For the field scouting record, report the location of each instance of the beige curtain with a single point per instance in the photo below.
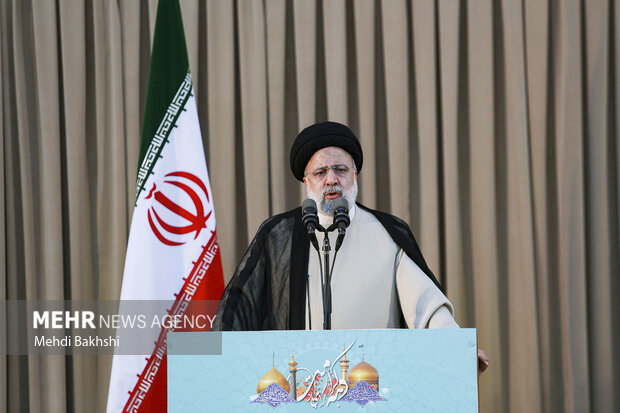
(490, 126)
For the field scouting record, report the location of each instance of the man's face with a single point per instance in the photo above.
(330, 174)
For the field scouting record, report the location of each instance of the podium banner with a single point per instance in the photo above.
(383, 370)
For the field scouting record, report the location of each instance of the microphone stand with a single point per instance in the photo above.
(311, 223)
(326, 270)
(325, 274)
(327, 299)
(327, 290)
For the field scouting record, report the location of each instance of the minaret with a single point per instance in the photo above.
(292, 368)
(344, 365)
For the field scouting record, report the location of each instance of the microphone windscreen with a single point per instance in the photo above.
(308, 203)
(341, 203)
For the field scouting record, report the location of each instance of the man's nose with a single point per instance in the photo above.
(331, 177)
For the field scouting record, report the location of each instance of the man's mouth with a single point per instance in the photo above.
(332, 195)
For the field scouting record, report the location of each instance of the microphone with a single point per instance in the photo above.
(341, 219)
(310, 219)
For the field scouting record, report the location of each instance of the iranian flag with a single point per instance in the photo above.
(172, 252)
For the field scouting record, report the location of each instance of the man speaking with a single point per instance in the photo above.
(377, 279)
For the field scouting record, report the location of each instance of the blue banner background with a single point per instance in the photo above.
(419, 370)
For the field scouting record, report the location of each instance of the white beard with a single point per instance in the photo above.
(327, 205)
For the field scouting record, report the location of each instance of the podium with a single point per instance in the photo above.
(383, 370)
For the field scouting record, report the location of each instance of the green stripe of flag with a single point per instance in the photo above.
(169, 67)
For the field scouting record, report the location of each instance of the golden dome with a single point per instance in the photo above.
(366, 372)
(272, 376)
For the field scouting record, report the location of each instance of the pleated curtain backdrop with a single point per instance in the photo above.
(491, 127)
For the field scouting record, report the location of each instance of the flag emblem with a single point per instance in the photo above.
(190, 185)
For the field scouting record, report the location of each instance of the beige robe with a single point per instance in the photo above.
(371, 274)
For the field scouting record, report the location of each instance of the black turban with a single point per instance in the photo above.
(319, 136)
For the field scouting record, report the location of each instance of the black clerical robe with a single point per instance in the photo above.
(268, 289)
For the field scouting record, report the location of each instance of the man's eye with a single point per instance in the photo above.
(320, 172)
(341, 170)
